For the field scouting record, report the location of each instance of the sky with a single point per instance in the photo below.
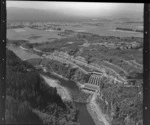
(79, 8)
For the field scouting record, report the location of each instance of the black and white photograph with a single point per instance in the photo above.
(74, 63)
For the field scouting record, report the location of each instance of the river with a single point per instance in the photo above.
(21, 53)
(84, 116)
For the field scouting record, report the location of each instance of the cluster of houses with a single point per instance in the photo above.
(123, 45)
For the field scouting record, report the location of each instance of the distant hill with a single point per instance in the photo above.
(21, 14)
(29, 14)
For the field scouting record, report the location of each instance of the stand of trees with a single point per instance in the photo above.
(29, 100)
(123, 105)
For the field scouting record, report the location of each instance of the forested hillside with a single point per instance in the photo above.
(30, 100)
(123, 105)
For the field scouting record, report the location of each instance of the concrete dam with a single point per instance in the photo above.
(95, 79)
(93, 83)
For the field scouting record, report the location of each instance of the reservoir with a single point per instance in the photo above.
(83, 116)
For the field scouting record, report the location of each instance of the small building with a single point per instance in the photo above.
(90, 87)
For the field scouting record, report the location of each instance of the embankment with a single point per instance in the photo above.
(95, 111)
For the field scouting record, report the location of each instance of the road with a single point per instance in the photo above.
(97, 110)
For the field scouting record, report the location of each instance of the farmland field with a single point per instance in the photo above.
(103, 29)
(31, 35)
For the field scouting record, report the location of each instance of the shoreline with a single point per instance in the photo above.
(62, 91)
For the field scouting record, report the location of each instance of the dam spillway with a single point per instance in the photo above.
(93, 83)
(95, 79)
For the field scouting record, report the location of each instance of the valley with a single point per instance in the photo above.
(79, 55)
(66, 68)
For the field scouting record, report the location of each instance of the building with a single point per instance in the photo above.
(90, 87)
